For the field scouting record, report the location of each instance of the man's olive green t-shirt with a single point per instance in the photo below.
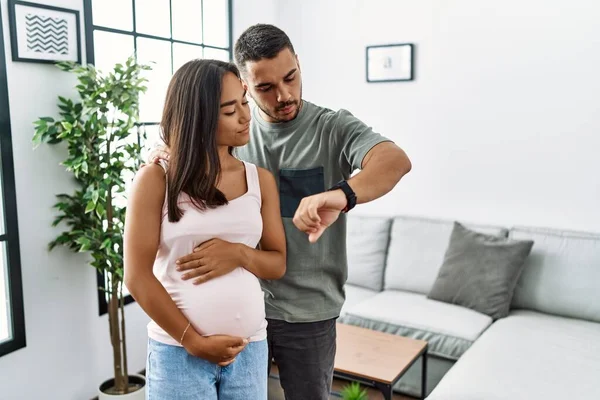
(308, 155)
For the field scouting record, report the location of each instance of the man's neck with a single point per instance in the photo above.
(266, 117)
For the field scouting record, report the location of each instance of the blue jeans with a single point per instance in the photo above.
(173, 374)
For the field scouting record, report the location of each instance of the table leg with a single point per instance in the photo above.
(386, 390)
(424, 375)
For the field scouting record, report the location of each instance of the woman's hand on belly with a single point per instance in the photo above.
(211, 259)
(218, 349)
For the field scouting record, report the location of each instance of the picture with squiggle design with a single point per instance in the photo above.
(42, 33)
(47, 35)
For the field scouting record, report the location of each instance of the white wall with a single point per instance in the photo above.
(503, 121)
(247, 13)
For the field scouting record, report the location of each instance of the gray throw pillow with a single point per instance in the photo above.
(480, 271)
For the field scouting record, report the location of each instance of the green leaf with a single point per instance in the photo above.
(52, 245)
(95, 196)
(37, 139)
(91, 206)
(84, 243)
(52, 130)
(84, 247)
(84, 167)
(99, 210)
(62, 135)
(354, 391)
(65, 65)
(58, 220)
(106, 243)
(67, 125)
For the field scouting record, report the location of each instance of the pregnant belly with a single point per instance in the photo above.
(232, 304)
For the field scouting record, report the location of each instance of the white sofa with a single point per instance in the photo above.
(547, 348)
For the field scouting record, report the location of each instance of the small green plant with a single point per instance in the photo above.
(354, 391)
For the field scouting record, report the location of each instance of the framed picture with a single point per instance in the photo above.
(45, 34)
(390, 63)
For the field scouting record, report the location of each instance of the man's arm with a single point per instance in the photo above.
(382, 168)
(382, 165)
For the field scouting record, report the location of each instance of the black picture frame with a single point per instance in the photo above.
(63, 38)
(402, 70)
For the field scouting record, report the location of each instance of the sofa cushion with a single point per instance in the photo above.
(562, 274)
(416, 252)
(354, 296)
(480, 271)
(367, 244)
(449, 329)
(528, 355)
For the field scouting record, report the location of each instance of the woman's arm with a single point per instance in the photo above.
(217, 257)
(142, 234)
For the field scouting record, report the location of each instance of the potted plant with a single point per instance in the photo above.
(353, 391)
(99, 130)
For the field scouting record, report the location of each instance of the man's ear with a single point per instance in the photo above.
(245, 85)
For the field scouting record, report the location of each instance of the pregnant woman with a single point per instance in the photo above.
(207, 337)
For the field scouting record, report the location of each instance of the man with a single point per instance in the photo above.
(309, 149)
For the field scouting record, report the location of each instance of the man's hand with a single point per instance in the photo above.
(211, 259)
(316, 213)
(218, 349)
(159, 152)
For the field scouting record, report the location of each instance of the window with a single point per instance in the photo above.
(166, 33)
(12, 320)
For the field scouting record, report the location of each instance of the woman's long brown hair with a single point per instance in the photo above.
(189, 129)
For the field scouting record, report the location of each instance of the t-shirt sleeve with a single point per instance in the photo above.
(354, 139)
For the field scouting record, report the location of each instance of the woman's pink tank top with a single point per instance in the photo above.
(232, 304)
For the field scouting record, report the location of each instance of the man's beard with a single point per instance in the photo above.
(281, 106)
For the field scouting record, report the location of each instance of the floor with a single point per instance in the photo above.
(275, 392)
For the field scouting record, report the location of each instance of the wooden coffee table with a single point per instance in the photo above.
(377, 359)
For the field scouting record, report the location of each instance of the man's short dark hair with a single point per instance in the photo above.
(258, 42)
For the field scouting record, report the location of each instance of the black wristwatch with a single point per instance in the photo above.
(350, 195)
